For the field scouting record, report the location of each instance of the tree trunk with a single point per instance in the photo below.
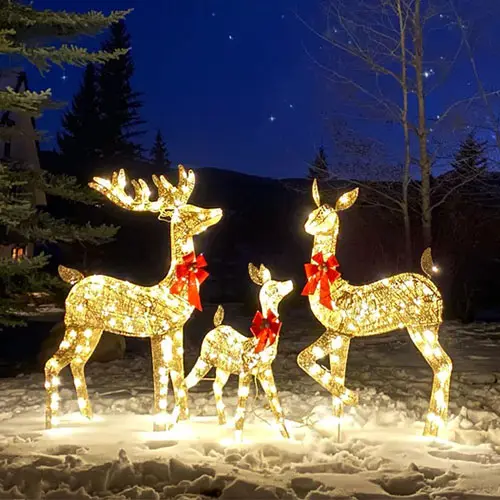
(406, 132)
(424, 161)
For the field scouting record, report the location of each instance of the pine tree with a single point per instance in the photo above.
(470, 160)
(119, 104)
(80, 142)
(159, 153)
(319, 167)
(20, 220)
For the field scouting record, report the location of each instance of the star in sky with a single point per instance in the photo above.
(282, 50)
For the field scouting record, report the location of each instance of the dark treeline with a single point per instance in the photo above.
(264, 220)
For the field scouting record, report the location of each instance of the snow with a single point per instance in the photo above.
(380, 455)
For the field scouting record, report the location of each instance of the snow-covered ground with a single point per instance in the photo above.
(381, 453)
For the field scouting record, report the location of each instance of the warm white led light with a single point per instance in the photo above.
(407, 300)
(98, 303)
(230, 352)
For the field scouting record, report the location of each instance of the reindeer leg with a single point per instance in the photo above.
(84, 351)
(160, 381)
(62, 358)
(243, 391)
(221, 377)
(426, 341)
(266, 379)
(181, 410)
(307, 360)
(53, 367)
(200, 369)
(339, 350)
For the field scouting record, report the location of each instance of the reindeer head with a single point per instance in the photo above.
(272, 292)
(324, 219)
(171, 204)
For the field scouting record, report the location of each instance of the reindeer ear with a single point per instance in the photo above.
(265, 274)
(347, 199)
(255, 274)
(315, 191)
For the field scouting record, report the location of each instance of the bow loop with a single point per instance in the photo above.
(323, 273)
(266, 329)
(190, 273)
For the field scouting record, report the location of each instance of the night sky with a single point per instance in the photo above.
(236, 84)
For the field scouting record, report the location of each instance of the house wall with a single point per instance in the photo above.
(22, 147)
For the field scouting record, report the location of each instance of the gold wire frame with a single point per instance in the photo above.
(230, 352)
(97, 303)
(407, 300)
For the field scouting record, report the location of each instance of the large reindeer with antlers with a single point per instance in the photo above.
(406, 300)
(98, 303)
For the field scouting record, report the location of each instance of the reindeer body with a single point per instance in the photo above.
(230, 352)
(97, 303)
(407, 300)
(226, 349)
(142, 311)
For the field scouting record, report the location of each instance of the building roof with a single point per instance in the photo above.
(23, 147)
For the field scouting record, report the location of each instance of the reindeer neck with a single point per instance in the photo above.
(268, 305)
(325, 243)
(180, 245)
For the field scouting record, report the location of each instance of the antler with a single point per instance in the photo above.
(168, 195)
(179, 194)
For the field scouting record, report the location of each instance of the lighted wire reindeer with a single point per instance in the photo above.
(98, 303)
(405, 300)
(230, 352)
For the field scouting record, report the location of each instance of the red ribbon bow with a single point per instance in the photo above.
(322, 273)
(190, 272)
(266, 329)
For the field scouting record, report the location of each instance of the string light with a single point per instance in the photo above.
(407, 300)
(230, 352)
(97, 303)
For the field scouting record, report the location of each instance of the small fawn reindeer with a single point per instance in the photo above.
(230, 352)
(404, 300)
(98, 303)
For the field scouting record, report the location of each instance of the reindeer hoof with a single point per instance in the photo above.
(184, 414)
(350, 397)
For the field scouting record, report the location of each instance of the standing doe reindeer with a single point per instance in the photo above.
(98, 303)
(230, 352)
(404, 300)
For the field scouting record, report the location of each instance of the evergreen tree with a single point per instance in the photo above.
(319, 167)
(470, 160)
(80, 142)
(159, 153)
(119, 105)
(20, 220)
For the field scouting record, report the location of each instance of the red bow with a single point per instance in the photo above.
(265, 329)
(190, 273)
(323, 273)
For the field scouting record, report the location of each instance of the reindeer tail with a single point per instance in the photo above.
(71, 276)
(219, 316)
(427, 264)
